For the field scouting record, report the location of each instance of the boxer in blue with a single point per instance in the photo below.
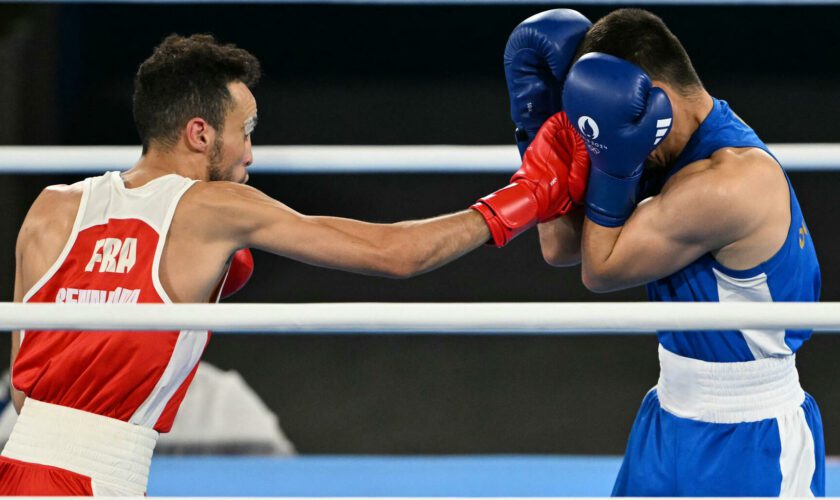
(685, 198)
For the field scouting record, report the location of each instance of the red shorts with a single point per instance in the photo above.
(23, 478)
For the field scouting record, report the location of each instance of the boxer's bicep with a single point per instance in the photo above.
(317, 241)
(337, 243)
(635, 254)
(664, 234)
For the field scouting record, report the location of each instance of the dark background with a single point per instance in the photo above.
(419, 75)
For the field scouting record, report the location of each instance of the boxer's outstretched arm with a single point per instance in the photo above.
(699, 213)
(245, 217)
(560, 239)
(408, 248)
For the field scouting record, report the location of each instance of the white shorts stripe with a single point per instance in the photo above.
(797, 459)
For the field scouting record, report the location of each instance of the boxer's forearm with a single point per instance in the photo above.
(432, 243)
(560, 239)
(408, 248)
(598, 271)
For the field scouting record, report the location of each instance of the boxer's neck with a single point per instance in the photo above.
(158, 161)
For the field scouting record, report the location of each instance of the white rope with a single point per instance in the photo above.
(433, 318)
(348, 159)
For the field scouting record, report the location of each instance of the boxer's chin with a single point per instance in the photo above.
(241, 174)
(237, 174)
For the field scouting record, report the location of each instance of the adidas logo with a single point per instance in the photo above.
(662, 127)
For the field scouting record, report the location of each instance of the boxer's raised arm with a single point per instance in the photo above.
(669, 231)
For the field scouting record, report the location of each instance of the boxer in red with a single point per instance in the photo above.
(92, 403)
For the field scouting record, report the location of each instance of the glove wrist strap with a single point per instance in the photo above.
(508, 212)
(610, 200)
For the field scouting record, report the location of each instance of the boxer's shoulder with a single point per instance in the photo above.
(736, 191)
(60, 195)
(221, 208)
(218, 193)
(55, 207)
(732, 172)
(744, 162)
(46, 228)
(208, 199)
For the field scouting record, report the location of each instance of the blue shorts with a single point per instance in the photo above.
(673, 456)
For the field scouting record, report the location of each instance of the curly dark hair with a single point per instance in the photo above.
(642, 38)
(187, 77)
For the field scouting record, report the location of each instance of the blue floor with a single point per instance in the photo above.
(487, 476)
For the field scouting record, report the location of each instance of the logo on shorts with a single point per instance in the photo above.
(588, 127)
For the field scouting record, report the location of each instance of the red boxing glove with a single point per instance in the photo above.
(550, 183)
(240, 271)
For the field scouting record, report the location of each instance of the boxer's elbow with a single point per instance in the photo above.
(390, 265)
(399, 258)
(594, 283)
(412, 260)
(560, 257)
(401, 269)
(560, 241)
(598, 280)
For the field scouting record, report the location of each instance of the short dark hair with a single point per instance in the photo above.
(642, 38)
(187, 77)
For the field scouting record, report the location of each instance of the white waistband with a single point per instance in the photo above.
(109, 451)
(728, 392)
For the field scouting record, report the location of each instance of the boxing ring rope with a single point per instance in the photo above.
(425, 318)
(427, 159)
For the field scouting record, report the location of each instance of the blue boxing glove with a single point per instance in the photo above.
(622, 118)
(537, 57)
